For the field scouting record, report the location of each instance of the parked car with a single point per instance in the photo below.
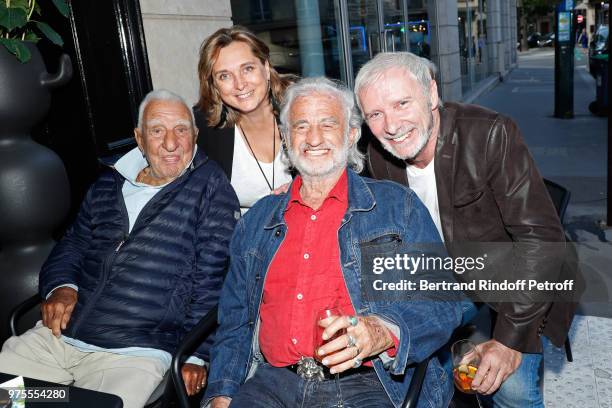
(598, 48)
(533, 38)
(547, 40)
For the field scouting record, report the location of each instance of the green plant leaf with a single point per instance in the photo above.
(12, 18)
(17, 48)
(32, 37)
(50, 33)
(62, 7)
(21, 4)
(3, 13)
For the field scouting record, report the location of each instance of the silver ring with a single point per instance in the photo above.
(353, 321)
(357, 362)
(351, 341)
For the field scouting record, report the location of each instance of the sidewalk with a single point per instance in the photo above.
(573, 153)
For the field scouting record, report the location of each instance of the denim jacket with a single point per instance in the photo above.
(376, 211)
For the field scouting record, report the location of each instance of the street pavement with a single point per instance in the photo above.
(573, 153)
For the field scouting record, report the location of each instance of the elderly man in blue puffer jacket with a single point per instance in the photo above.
(142, 263)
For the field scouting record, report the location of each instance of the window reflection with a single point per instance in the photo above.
(303, 35)
(473, 50)
(305, 38)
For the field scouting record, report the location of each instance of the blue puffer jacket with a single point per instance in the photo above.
(149, 287)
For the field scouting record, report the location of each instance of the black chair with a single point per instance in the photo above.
(161, 397)
(560, 197)
(18, 311)
(190, 342)
(414, 390)
(209, 323)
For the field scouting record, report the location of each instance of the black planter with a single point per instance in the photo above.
(34, 190)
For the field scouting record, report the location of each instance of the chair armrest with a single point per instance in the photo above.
(20, 310)
(412, 397)
(188, 344)
(209, 322)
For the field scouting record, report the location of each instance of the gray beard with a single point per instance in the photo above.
(338, 161)
(423, 138)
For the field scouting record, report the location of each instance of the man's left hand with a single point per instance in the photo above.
(370, 336)
(497, 363)
(194, 377)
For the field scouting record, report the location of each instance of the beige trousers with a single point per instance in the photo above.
(39, 354)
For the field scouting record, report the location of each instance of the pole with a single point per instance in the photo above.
(564, 61)
(608, 201)
(310, 38)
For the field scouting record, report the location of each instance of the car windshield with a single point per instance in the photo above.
(602, 34)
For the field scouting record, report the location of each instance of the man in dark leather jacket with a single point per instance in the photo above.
(471, 168)
(142, 263)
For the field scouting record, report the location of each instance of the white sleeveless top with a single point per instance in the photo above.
(247, 180)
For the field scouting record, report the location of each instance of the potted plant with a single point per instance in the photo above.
(34, 190)
(20, 23)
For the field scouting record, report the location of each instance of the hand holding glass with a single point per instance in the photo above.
(466, 360)
(323, 319)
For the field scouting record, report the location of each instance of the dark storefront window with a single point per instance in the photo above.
(472, 25)
(303, 35)
(419, 28)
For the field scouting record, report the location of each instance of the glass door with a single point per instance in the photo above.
(376, 26)
(394, 20)
(334, 38)
(468, 29)
(364, 31)
(304, 36)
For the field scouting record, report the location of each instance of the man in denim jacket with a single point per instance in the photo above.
(297, 253)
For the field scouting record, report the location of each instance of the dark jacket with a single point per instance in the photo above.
(489, 190)
(149, 287)
(217, 143)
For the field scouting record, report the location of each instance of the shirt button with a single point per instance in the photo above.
(294, 341)
(300, 296)
(313, 217)
(306, 256)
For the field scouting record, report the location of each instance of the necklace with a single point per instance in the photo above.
(270, 186)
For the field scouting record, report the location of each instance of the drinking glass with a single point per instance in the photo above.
(465, 365)
(325, 317)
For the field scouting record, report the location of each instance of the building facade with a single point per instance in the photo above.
(471, 41)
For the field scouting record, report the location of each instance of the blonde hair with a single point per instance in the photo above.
(210, 103)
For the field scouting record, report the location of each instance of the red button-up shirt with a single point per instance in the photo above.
(304, 277)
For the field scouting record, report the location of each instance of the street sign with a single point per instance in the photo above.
(564, 26)
(579, 18)
(569, 5)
